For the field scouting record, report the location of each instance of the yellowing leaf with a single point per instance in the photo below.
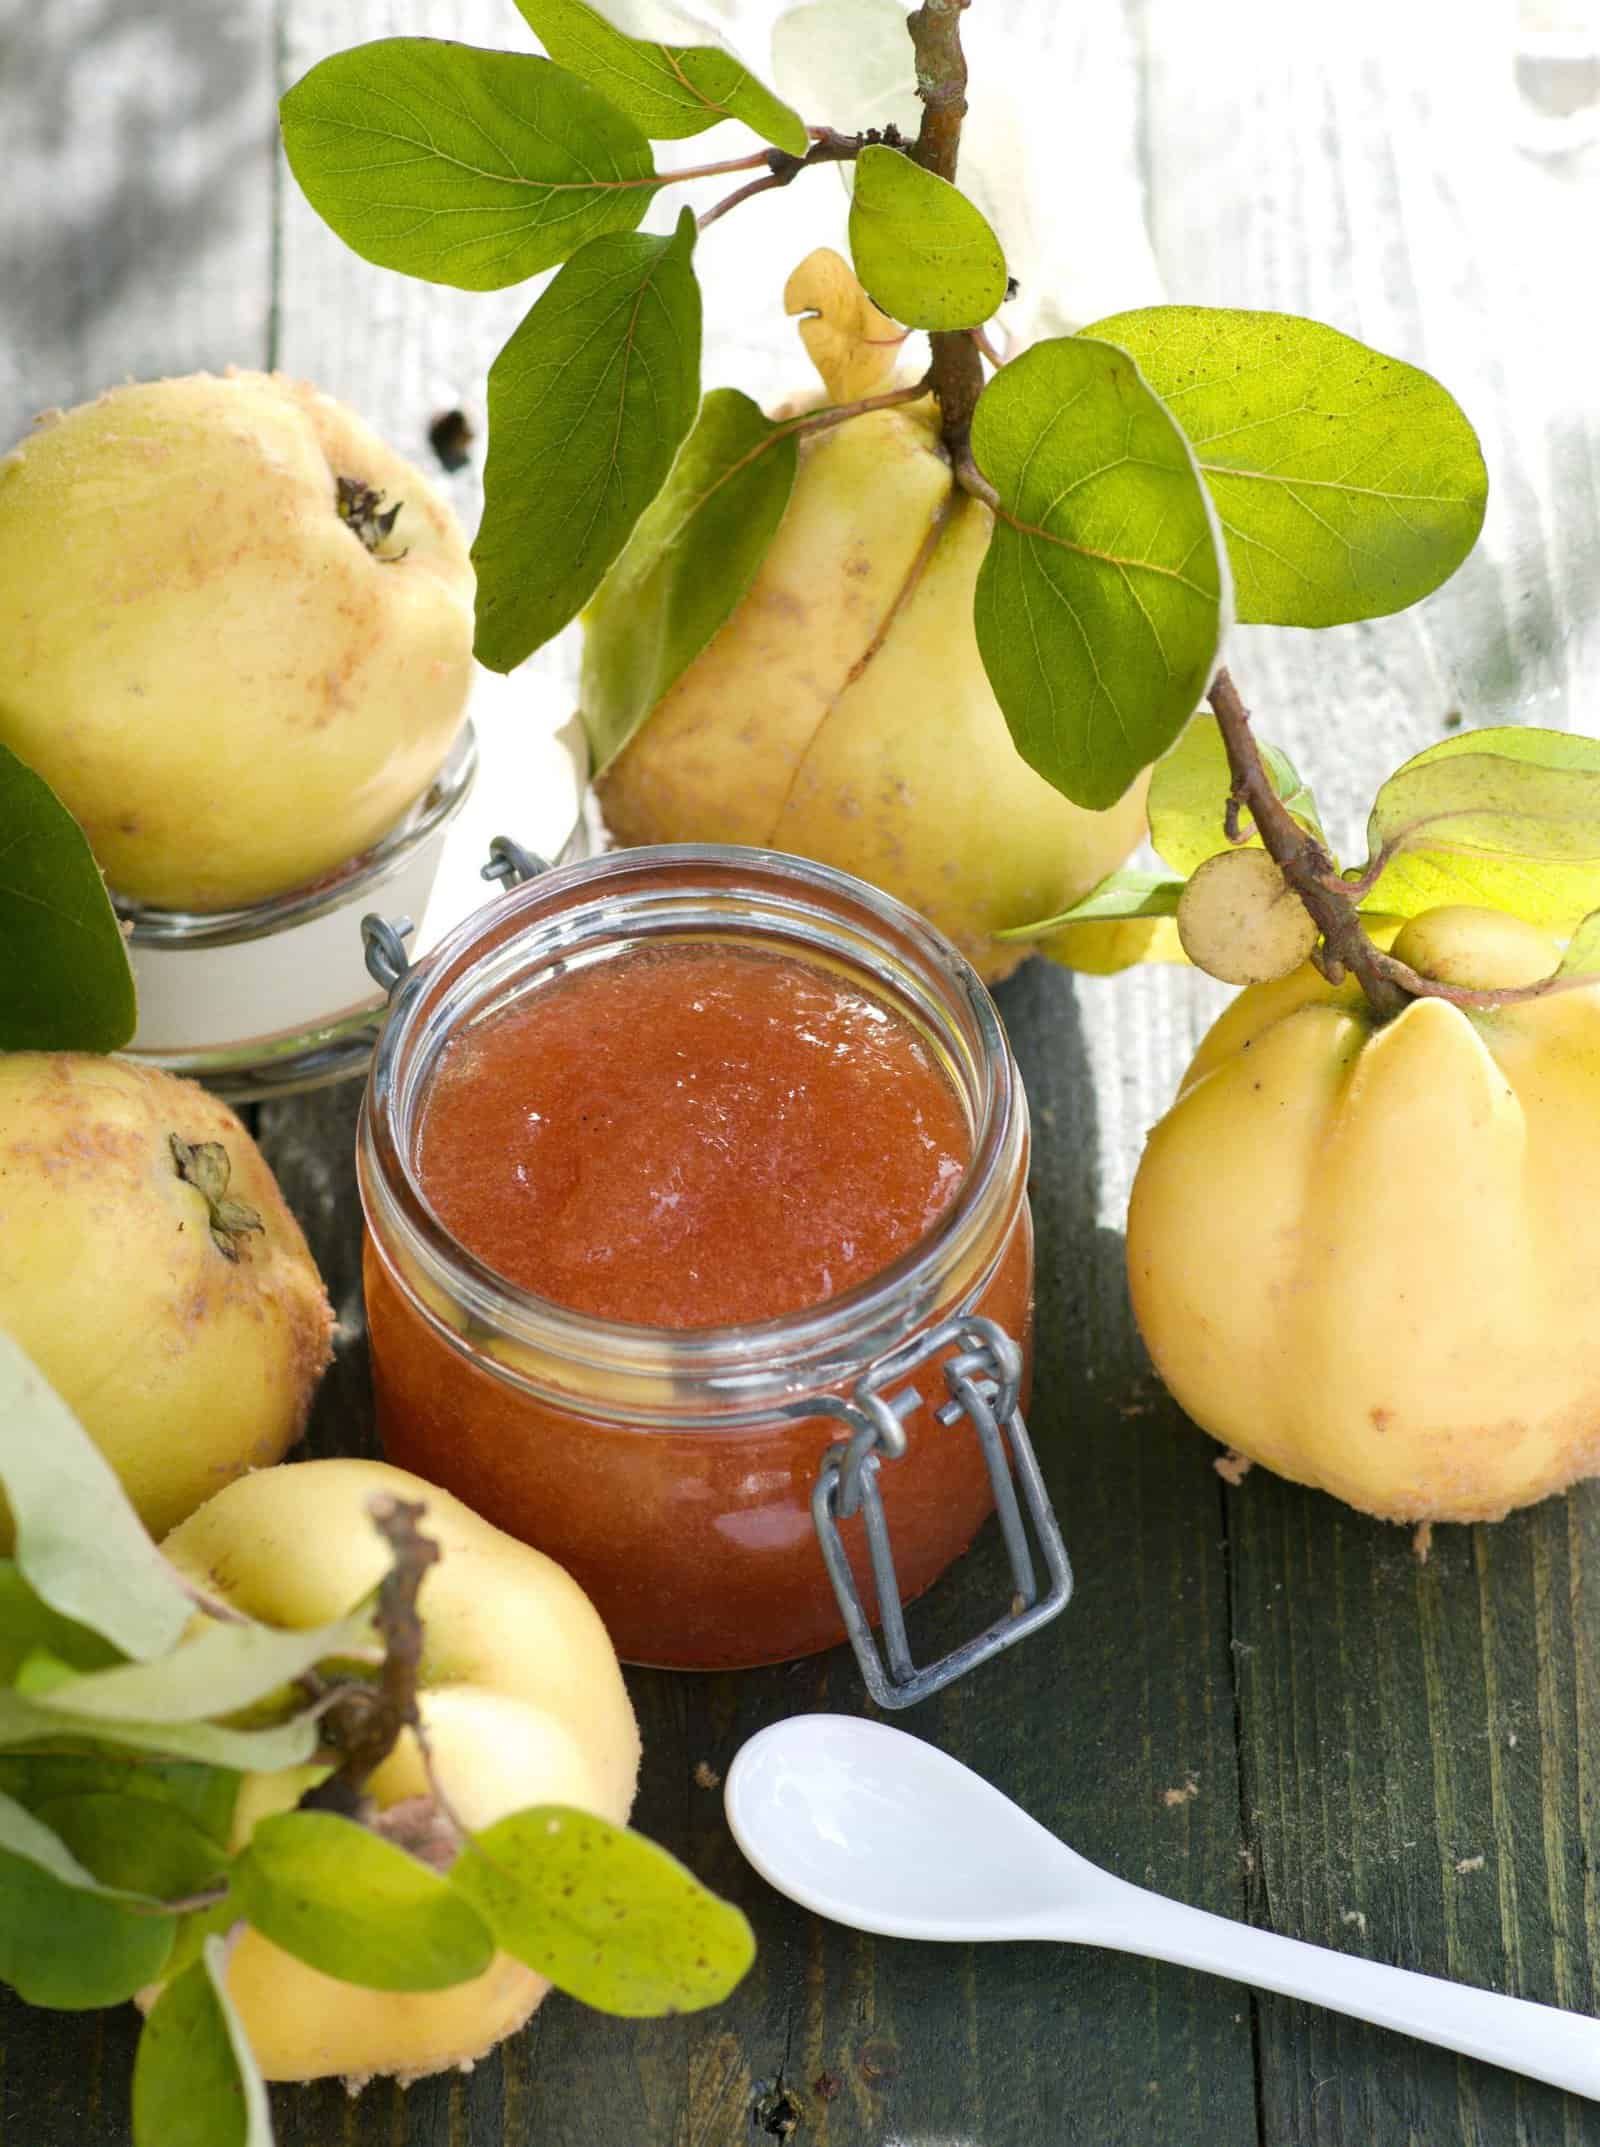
(605, 1914)
(851, 343)
(354, 1906)
(1189, 793)
(1507, 818)
(1349, 484)
(920, 247)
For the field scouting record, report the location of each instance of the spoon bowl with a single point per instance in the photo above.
(874, 1828)
(868, 1826)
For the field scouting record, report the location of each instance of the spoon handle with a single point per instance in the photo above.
(1541, 2041)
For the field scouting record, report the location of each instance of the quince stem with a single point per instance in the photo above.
(935, 29)
(366, 1721)
(1331, 901)
(1305, 864)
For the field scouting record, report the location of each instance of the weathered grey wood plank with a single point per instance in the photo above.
(1400, 1721)
(137, 238)
(137, 241)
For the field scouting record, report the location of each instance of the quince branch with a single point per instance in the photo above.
(935, 30)
(366, 1721)
(1330, 900)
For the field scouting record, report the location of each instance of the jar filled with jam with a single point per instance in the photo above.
(661, 1157)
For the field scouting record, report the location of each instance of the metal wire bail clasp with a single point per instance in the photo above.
(384, 938)
(983, 1378)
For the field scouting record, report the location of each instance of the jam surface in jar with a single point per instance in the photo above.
(685, 1136)
(689, 1135)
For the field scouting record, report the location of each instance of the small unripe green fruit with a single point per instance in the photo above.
(1238, 919)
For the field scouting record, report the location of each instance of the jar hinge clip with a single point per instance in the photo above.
(384, 937)
(983, 1378)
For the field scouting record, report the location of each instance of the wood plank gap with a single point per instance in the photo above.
(279, 185)
(1249, 1860)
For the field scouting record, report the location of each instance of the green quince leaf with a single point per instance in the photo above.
(609, 1917)
(589, 404)
(189, 1945)
(37, 1841)
(477, 169)
(80, 1545)
(1189, 795)
(344, 1901)
(220, 1670)
(668, 91)
(136, 1845)
(1103, 599)
(195, 2080)
(65, 979)
(693, 554)
(67, 1940)
(27, 1623)
(1582, 958)
(25, 1722)
(1348, 484)
(922, 251)
(204, 1795)
(1507, 818)
(1121, 894)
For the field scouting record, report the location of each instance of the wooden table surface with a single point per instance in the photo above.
(1259, 1701)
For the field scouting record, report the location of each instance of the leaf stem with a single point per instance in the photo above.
(986, 349)
(827, 147)
(971, 479)
(753, 162)
(841, 413)
(935, 29)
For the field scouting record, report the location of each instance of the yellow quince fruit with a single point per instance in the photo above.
(1367, 1253)
(237, 632)
(843, 711)
(521, 1700)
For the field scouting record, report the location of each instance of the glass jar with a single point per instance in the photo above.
(274, 998)
(673, 1471)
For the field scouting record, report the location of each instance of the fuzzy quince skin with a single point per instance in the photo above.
(230, 691)
(843, 711)
(1367, 1254)
(187, 1360)
(521, 1698)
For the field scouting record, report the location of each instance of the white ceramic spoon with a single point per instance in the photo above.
(874, 1828)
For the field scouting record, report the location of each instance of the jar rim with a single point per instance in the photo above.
(792, 1351)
